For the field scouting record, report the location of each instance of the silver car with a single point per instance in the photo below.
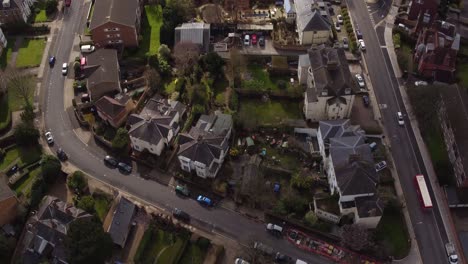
(360, 80)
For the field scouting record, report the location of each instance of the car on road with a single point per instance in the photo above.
(360, 80)
(49, 138)
(337, 26)
(261, 41)
(401, 122)
(110, 161)
(51, 61)
(345, 43)
(64, 68)
(339, 18)
(247, 40)
(254, 39)
(240, 261)
(362, 45)
(124, 168)
(421, 83)
(282, 258)
(365, 100)
(203, 200)
(274, 229)
(181, 215)
(380, 165)
(182, 190)
(61, 155)
(358, 34)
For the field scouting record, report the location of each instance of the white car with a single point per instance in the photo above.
(247, 40)
(420, 83)
(401, 122)
(339, 18)
(380, 166)
(337, 26)
(360, 80)
(87, 48)
(362, 45)
(345, 43)
(49, 138)
(64, 68)
(240, 261)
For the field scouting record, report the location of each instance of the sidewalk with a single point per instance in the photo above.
(438, 193)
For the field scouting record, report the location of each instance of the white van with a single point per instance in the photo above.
(87, 48)
(300, 262)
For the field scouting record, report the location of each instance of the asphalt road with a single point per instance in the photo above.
(218, 220)
(429, 229)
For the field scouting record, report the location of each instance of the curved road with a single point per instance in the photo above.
(89, 160)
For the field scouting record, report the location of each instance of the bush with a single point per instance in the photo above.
(310, 218)
(51, 7)
(51, 169)
(86, 203)
(38, 190)
(396, 40)
(233, 101)
(282, 84)
(77, 181)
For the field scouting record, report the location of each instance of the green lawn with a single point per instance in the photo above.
(40, 17)
(24, 184)
(15, 100)
(101, 205)
(193, 254)
(30, 53)
(170, 254)
(253, 113)
(153, 242)
(5, 113)
(392, 230)
(150, 30)
(6, 55)
(10, 156)
(462, 74)
(258, 78)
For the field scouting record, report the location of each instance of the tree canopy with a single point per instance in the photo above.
(121, 139)
(51, 168)
(86, 203)
(26, 134)
(77, 181)
(213, 63)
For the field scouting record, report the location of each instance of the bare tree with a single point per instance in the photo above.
(356, 237)
(19, 83)
(153, 79)
(186, 55)
(252, 255)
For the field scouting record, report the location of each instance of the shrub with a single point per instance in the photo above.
(233, 101)
(310, 218)
(77, 181)
(86, 203)
(282, 84)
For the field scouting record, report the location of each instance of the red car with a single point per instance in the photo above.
(254, 39)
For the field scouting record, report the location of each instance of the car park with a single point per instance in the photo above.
(124, 168)
(360, 80)
(345, 43)
(337, 26)
(247, 40)
(365, 100)
(62, 155)
(362, 45)
(420, 83)
(64, 68)
(254, 39)
(261, 41)
(240, 261)
(181, 215)
(110, 161)
(52, 61)
(380, 165)
(400, 118)
(339, 18)
(203, 200)
(182, 190)
(49, 138)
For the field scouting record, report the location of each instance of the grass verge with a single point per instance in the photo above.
(254, 113)
(393, 233)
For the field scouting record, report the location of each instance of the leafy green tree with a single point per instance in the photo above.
(77, 181)
(51, 6)
(27, 116)
(121, 139)
(310, 218)
(301, 181)
(164, 52)
(87, 242)
(291, 205)
(26, 134)
(51, 168)
(153, 79)
(175, 13)
(213, 63)
(38, 190)
(86, 203)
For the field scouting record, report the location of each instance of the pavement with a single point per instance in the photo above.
(408, 150)
(223, 223)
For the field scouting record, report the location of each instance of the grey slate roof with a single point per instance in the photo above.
(102, 66)
(309, 19)
(369, 206)
(338, 128)
(330, 72)
(5, 191)
(121, 221)
(118, 11)
(197, 33)
(304, 60)
(152, 131)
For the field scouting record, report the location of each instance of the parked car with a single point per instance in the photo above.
(420, 83)
(49, 138)
(124, 168)
(345, 43)
(12, 170)
(282, 258)
(365, 100)
(247, 40)
(181, 215)
(110, 161)
(240, 261)
(87, 48)
(254, 39)
(274, 229)
(203, 200)
(261, 41)
(337, 26)
(339, 18)
(64, 68)
(182, 190)
(401, 122)
(380, 165)
(62, 155)
(360, 80)
(266, 250)
(52, 61)
(362, 45)
(358, 34)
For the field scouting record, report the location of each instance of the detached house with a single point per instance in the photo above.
(330, 87)
(8, 203)
(313, 23)
(349, 166)
(102, 71)
(46, 232)
(121, 221)
(204, 148)
(114, 111)
(155, 127)
(116, 23)
(436, 51)
(12, 11)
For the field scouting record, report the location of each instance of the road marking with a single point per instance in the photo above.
(383, 47)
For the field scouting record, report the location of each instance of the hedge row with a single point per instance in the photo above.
(349, 29)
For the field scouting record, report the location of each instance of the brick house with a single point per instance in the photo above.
(116, 23)
(8, 203)
(420, 7)
(436, 51)
(114, 111)
(12, 11)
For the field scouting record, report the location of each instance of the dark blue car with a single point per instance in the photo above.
(52, 61)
